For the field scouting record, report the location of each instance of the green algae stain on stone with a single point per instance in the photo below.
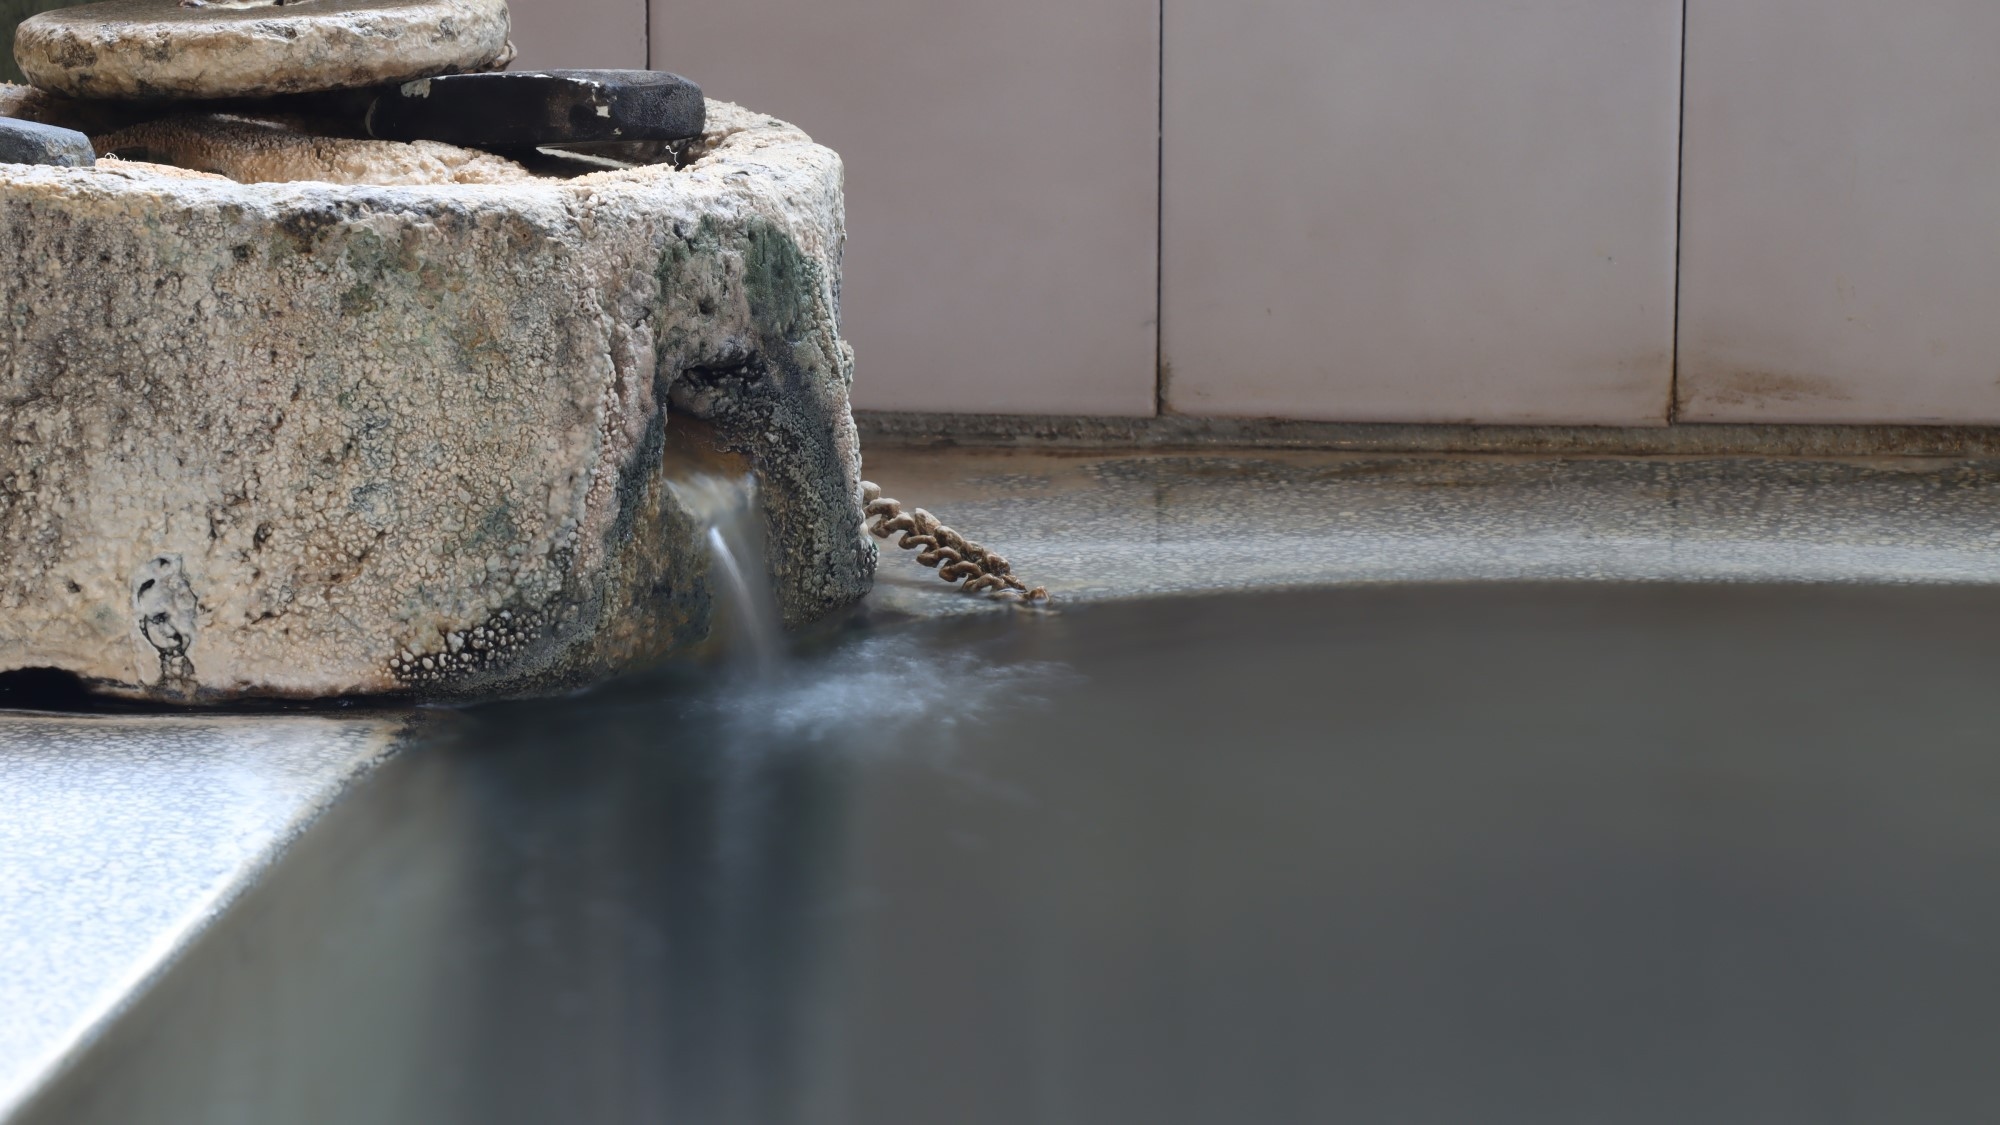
(495, 528)
(772, 278)
(690, 282)
(375, 260)
(358, 300)
(781, 279)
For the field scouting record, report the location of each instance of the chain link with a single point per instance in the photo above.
(957, 559)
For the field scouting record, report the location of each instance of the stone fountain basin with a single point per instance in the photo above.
(313, 439)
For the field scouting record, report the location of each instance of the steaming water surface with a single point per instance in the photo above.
(1631, 854)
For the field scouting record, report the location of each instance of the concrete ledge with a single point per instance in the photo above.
(1130, 523)
(1169, 432)
(126, 837)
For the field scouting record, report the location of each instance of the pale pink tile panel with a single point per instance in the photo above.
(1001, 183)
(1428, 210)
(553, 34)
(1841, 222)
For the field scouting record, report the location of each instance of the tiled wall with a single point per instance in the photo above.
(1364, 210)
(1383, 210)
(554, 34)
(1840, 254)
(1002, 183)
(1420, 210)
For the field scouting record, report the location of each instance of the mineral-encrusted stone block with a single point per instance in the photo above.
(305, 440)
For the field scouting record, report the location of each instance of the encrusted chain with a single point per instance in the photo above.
(956, 558)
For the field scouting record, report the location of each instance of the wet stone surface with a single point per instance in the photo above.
(26, 142)
(124, 834)
(541, 108)
(1122, 525)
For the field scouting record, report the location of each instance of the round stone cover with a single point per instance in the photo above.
(162, 49)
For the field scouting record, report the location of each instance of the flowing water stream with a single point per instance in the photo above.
(740, 581)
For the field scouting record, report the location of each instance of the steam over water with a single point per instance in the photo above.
(878, 688)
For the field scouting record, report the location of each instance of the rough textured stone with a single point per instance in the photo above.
(161, 49)
(88, 117)
(273, 152)
(368, 439)
(30, 142)
(329, 113)
(532, 108)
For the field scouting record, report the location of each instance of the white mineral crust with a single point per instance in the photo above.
(306, 439)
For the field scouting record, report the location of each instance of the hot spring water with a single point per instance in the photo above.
(1478, 853)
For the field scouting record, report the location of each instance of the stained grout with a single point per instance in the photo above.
(1680, 197)
(1160, 218)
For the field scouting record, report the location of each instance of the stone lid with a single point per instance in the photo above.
(160, 49)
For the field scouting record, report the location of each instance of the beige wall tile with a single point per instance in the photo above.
(1001, 183)
(553, 34)
(1841, 215)
(1432, 210)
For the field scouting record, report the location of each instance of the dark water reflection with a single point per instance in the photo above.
(1398, 855)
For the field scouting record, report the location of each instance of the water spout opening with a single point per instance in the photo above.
(739, 575)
